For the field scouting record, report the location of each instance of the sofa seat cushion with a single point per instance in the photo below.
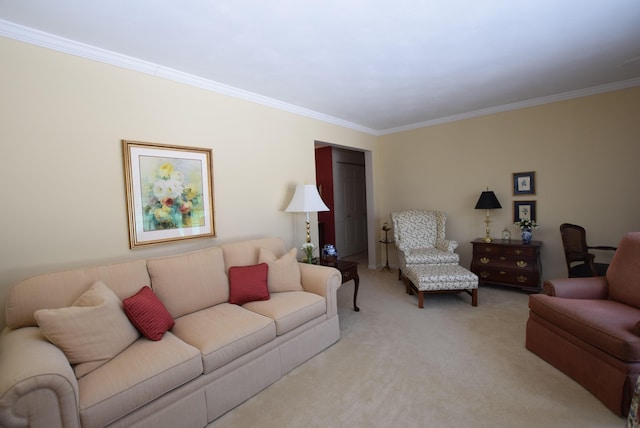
(141, 373)
(224, 332)
(604, 324)
(430, 256)
(289, 309)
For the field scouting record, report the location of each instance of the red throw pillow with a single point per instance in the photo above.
(148, 314)
(248, 283)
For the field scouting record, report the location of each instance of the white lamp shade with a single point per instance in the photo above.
(306, 199)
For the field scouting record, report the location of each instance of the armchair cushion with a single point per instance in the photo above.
(605, 324)
(623, 274)
(430, 256)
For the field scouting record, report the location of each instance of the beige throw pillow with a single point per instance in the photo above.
(91, 331)
(284, 274)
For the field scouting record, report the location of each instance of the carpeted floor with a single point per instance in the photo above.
(447, 365)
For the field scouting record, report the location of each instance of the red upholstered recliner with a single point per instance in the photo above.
(589, 328)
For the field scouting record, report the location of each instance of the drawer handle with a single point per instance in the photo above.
(518, 251)
(502, 272)
(484, 260)
(503, 258)
(488, 250)
(347, 274)
(521, 263)
(484, 274)
(521, 278)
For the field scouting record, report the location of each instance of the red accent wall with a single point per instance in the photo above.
(324, 180)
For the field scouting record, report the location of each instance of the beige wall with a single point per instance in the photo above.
(585, 154)
(62, 122)
(62, 119)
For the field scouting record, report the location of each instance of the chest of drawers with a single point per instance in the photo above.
(509, 263)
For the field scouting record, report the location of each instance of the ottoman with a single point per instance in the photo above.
(422, 279)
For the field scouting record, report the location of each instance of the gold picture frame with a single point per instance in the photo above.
(169, 192)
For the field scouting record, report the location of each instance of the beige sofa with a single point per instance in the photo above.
(215, 356)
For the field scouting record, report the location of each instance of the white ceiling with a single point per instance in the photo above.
(379, 66)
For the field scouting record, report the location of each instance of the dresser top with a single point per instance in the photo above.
(510, 242)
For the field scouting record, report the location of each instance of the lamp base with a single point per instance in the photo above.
(487, 232)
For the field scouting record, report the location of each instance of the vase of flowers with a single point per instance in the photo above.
(307, 248)
(526, 227)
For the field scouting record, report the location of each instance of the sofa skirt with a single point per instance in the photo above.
(209, 396)
(609, 379)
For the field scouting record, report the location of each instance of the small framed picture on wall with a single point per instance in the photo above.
(524, 183)
(524, 210)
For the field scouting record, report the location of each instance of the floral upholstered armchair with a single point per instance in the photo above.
(420, 239)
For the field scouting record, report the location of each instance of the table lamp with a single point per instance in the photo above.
(487, 201)
(305, 200)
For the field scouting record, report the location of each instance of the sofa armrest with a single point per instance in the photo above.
(578, 288)
(324, 281)
(37, 385)
(446, 245)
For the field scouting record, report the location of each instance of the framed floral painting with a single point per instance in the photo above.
(169, 192)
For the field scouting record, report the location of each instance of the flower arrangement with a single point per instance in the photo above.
(171, 200)
(526, 223)
(308, 249)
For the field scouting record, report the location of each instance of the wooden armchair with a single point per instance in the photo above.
(580, 262)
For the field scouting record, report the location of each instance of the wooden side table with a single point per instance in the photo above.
(349, 271)
(511, 263)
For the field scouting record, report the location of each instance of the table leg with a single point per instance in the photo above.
(356, 281)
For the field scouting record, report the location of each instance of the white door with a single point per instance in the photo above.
(350, 209)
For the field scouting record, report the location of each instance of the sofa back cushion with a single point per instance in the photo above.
(190, 282)
(61, 289)
(246, 253)
(623, 274)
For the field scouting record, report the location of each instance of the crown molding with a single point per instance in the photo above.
(61, 44)
(518, 105)
(50, 41)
